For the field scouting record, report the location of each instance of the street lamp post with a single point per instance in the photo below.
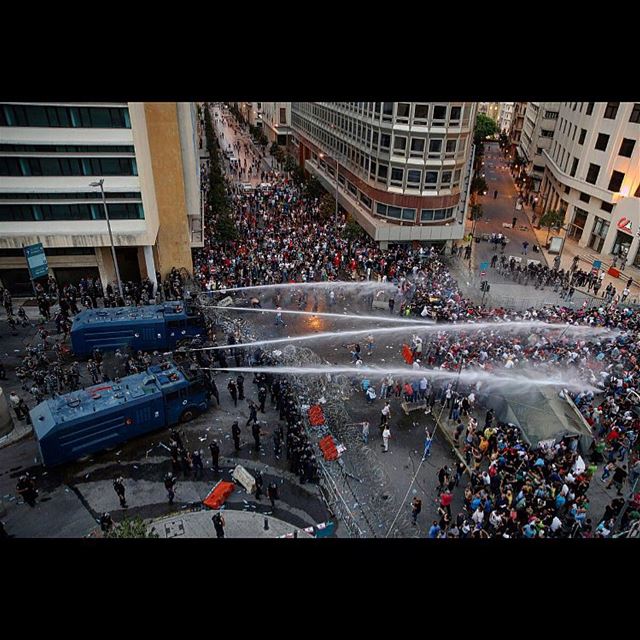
(100, 184)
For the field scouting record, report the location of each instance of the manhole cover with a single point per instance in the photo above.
(174, 529)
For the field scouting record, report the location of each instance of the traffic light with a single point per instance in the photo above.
(485, 286)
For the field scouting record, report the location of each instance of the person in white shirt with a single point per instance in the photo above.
(385, 414)
(556, 523)
(371, 394)
(386, 434)
(478, 515)
(365, 432)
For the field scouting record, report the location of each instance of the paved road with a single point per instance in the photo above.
(498, 212)
(229, 133)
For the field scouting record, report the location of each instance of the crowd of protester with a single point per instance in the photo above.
(514, 490)
(533, 492)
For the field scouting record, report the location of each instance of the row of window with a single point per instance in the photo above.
(68, 166)
(375, 141)
(17, 115)
(626, 148)
(409, 215)
(602, 138)
(584, 197)
(403, 112)
(562, 157)
(89, 195)
(407, 178)
(52, 212)
(67, 148)
(610, 111)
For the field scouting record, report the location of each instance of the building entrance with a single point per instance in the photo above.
(128, 263)
(622, 244)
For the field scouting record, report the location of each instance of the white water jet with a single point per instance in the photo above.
(431, 326)
(335, 284)
(328, 314)
(465, 375)
(317, 336)
(414, 328)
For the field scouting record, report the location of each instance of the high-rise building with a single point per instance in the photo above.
(592, 173)
(403, 167)
(147, 153)
(490, 109)
(251, 112)
(517, 122)
(501, 112)
(537, 134)
(505, 116)
(276, 118)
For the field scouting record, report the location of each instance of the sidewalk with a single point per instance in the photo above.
(238, 524)
(229, 136)
(586, 258)
(20, 430)
(498, 215)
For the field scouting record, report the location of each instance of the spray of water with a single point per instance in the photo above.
(344, 316)
(365, 285)
(319, 336)
(470, 376)
(419, 329)
(432, 327)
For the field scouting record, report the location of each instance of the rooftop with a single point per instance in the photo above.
(148, 312)
(107, 395)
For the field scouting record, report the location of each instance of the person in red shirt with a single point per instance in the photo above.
(445, 501)
(614, 434)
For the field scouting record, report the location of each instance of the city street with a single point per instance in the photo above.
(498, 215)
(368, 491)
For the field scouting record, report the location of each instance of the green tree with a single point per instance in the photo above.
(314, 188)
(298, 175)
(476, 212)
(552, 220)
(352, 230)
(479, 185)
(225, 229)
(132, 528)
(289, 163)
(484, 128)
(279, 154)
(327, 206)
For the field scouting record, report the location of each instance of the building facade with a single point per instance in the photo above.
(147, 154)
(517, 122)
(593, 174)
(251, 112)
(403, 167)
(276, 119)
(505, 116)
(538, 128)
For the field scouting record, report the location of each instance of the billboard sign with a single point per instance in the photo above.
(36, 261)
